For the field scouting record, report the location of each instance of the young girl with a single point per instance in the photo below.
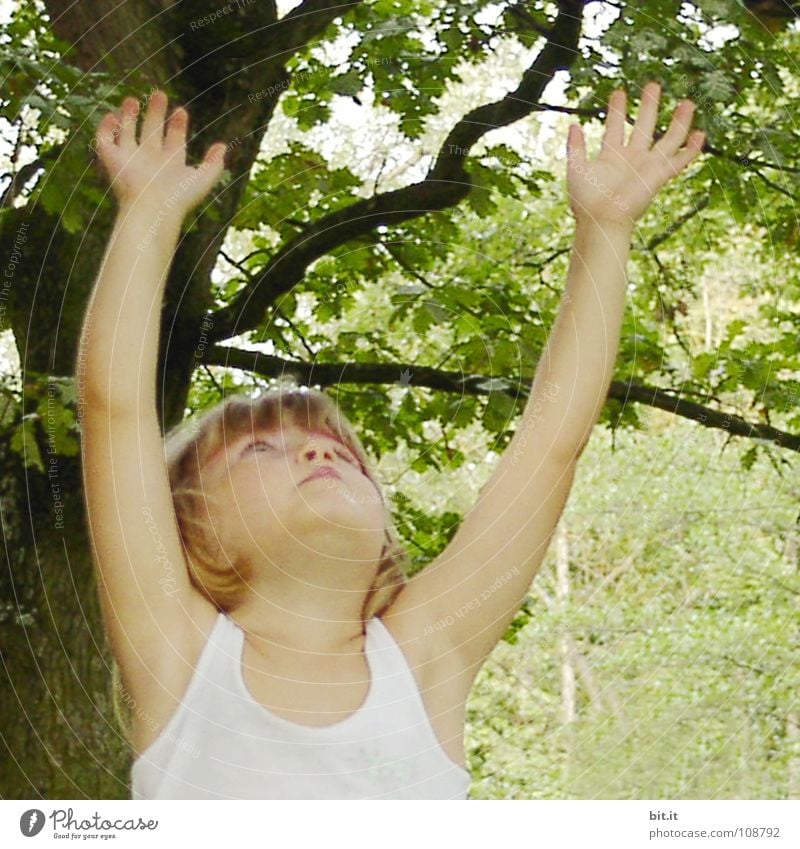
(251, 584)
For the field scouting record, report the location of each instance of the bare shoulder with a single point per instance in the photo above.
(442, 675)
(158, 695)
(438, 665)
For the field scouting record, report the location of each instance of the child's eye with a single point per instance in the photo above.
(349, 458)
(258, 445)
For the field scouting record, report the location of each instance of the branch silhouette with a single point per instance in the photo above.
(446, 184)
(518, 388)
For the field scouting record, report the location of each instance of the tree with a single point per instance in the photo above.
(326, 232)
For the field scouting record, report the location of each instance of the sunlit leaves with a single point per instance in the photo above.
(682, 611)
(292, 189)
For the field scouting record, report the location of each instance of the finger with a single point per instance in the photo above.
(175, 139)
(614, 137)
(153, 126)
(642, 135)
(213, 162)
(209, 171)
(694, 147)
(576, 147)
(675, 137)
(105, 135)
(129, 112)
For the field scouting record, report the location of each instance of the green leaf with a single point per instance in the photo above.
(281, 192)
(23, 442)
(9, 407)
(499, 411)
(749, 457)
(349, 83)
(58, 423)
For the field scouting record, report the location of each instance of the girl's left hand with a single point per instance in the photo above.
(617, 186)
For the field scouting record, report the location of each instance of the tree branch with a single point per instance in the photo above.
(310, 18)
(676, 225)
(734, 425)
(19, 179)
(445, 185)
(558, 54)
(327, 374)
(254, 44)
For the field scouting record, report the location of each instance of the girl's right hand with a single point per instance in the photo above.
(154, 169)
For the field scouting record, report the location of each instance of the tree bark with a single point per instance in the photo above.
(59, 739)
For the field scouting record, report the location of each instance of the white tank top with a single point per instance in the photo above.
(222, 744)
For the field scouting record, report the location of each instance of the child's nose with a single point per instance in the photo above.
(313, 453)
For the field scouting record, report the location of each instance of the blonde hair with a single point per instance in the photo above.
(189, 446)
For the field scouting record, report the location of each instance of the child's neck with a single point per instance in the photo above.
(312, 620)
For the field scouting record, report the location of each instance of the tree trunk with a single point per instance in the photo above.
(59, 739)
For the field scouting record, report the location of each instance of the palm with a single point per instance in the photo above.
(620, 183)
(155, 166)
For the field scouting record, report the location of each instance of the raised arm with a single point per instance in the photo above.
(150, 609)
(463, 602)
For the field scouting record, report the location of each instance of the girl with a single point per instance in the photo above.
(252, 585)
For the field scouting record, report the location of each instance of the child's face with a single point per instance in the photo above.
(285, 484)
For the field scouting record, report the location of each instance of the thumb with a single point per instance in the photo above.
(576, 146)
(214, 160)
(210, 169)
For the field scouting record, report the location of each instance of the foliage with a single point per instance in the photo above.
(683, 603)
